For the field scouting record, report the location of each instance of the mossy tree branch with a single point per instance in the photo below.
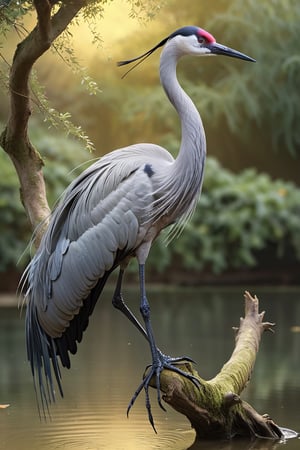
(216, 410)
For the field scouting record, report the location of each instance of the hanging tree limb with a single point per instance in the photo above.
(216, 410)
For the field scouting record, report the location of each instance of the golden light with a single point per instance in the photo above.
(113, 28)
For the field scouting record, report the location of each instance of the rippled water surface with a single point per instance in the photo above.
(110, 362)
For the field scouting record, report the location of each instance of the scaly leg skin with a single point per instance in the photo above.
(159, 360)
(119, 304)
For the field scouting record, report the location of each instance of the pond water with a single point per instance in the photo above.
(110, 363)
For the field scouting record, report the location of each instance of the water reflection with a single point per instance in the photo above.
(110, 363)
(239, 444)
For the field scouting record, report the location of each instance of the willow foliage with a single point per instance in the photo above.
(269, 94)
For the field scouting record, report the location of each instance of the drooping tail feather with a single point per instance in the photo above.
(41, 353)
(45, 353)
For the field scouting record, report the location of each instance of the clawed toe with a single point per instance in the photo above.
(154, 370)
(144, 385)
(187, 375)
(176, 360)
(170, 363)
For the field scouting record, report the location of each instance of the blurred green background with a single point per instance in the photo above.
(247, 224)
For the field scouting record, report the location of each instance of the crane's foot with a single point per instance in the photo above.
(160, 363)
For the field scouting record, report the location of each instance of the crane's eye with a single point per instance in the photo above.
(201, 40)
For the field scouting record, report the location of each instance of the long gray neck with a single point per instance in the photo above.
(187, 170)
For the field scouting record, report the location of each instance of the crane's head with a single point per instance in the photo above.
(191, 40)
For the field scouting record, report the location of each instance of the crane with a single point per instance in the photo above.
(109, 214)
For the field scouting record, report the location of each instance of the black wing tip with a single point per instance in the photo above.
(41, 353)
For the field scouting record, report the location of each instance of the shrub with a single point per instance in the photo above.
(237, 217)
(61, 155)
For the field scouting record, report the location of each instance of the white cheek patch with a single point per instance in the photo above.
(202, 50)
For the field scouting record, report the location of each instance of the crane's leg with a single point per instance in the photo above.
(119, 303)
(159, 360)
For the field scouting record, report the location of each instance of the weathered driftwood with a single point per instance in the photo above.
(216, 410)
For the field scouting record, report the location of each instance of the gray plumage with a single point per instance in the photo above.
(112, 212)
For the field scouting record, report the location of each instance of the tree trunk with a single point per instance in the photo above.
(14, 139)
(216, 410)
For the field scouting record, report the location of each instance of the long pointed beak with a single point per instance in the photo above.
(219, 49)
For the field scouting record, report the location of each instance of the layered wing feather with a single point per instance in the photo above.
(101, 220)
